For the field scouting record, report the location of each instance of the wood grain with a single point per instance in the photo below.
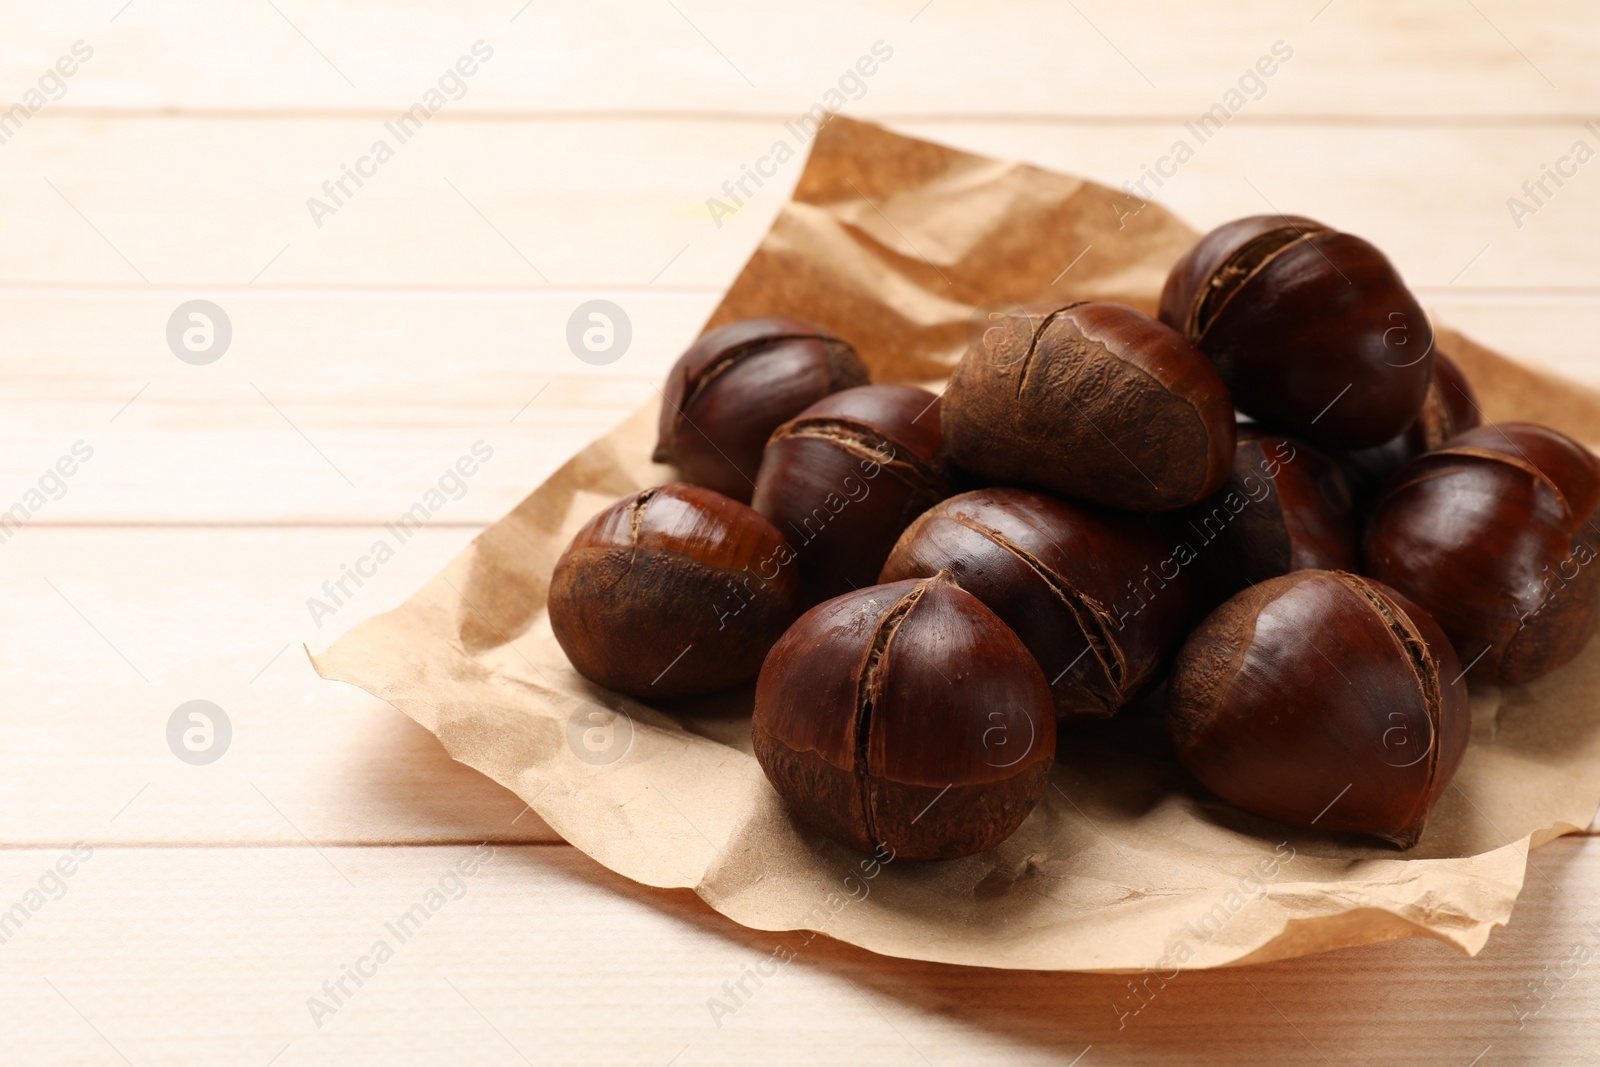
(543, 957)
(126, 624)
(1095, 59)
(519, 206)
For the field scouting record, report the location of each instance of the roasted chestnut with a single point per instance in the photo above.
(1285, 507)
(908, 716)
(735, 385)
(1096, 596)
(1094, 401)
(844, 477)
(1321, 698)
(1312, 329)
(673, 592)
(1450, 408)
(1496, 533)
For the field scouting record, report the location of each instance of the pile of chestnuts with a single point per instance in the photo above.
(1276, 500)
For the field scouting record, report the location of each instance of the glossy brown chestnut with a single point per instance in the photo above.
(1286, 507)
(842, 479)
(1096, 596)
(905, 717)
(1450, 408)
(735, 385)
(676, 591)
(1321, 698)
(1312, 329)
(1094, 401)
(1496, 534)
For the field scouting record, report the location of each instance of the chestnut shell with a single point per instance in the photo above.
(845, 476)
(905, 716)
(1321, 698)
(735, 385)
(1088, 591)
(1450, 408)
(673, 592)
(1286, 506)
(1095, 401)
(1313, 329)
(1496, 534)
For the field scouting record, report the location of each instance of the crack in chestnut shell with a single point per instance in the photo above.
(669, 568)
(905, 715)
(1322, 698)
(735, 385)
(1062, 576)
(1257, 527)
(1496, 534)
(1245, 263)
(1211, 271)
(1450, 408)
(843, 478)
(1313, 330)
(1095, 401)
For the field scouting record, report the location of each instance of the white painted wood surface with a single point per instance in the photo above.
(428, 313)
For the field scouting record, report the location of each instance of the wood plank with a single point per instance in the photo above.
(327, 407)
(390, 389)
(539, 956)
(1551, 332)
(125, 625)
(1094, 58)
(205, 205)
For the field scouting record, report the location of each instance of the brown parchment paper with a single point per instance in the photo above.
(1126, 864)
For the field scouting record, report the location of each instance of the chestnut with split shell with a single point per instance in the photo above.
(1322, 699)
(738, 383)
(1091, 400)
(1095, 595)
(905, 717)
(1286, 506)
(1496, 533)
(1450, 408)
(675, 591)
(1313, 329)
(846, 475)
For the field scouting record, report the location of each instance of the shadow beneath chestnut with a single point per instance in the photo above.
(1138, 730)
(1125, 768)
(1457, 828)
(1316, 844)
(1125, 763)
(1523, 721)
(722, 717)
(1466, 821)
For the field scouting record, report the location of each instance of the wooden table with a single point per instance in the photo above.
(211, 907)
